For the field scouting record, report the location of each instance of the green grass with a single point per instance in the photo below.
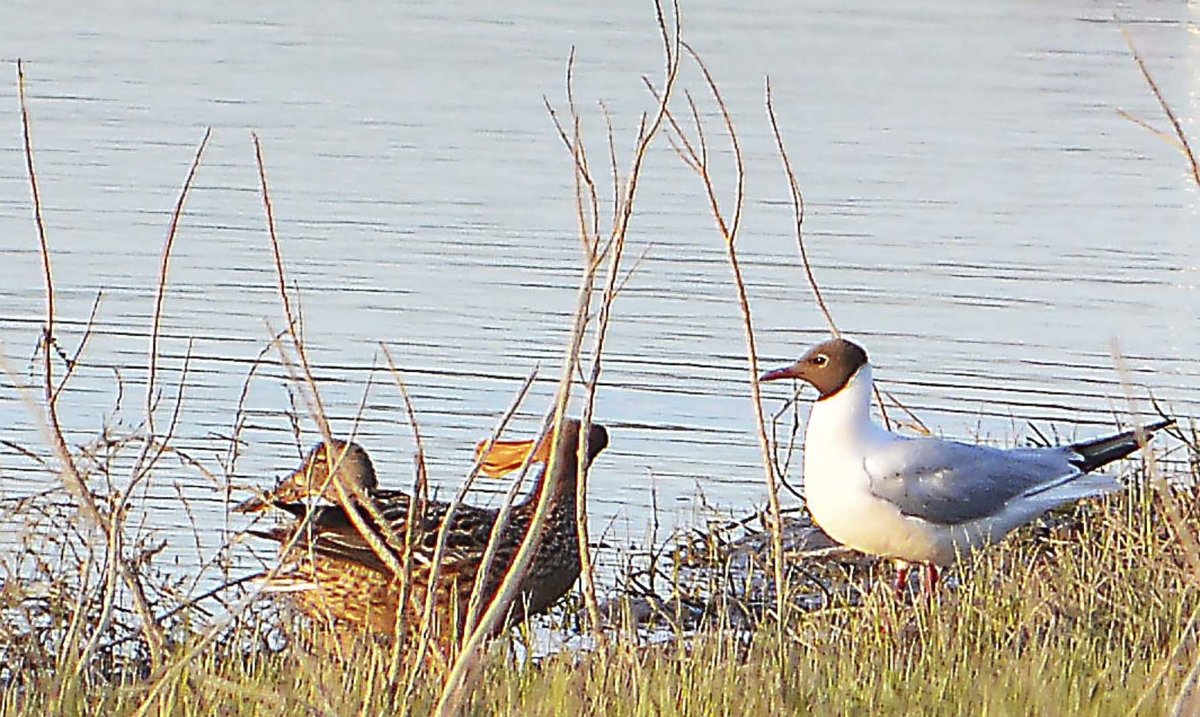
(1084, 627)
(1086, 621)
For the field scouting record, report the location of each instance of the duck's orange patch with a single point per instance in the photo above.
(507, 456)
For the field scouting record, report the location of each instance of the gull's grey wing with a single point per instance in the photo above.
(948, 483)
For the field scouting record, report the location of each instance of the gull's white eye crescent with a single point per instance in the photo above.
(820, 359)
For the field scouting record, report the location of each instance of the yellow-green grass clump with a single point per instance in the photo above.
(1091, 619)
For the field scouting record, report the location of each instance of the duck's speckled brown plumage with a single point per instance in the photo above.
(333, 573)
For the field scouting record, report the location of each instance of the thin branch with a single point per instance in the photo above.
(163, 269)
(1162, 102)
(1171, 140)
(38, 219)
(728, 230)
(48, 419)
(798, 211)
(465, 667)
(413, 523)
(625, 204)
(73, 361)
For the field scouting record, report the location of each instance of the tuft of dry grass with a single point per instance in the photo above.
(1090, 615)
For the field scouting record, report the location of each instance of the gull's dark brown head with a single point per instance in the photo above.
(347, 460)
(828, 366)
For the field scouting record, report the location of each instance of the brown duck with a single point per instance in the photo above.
(333, 574)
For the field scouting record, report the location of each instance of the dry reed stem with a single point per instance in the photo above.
(466, 665)
(466, 661)
(48, 419)
(427, 610)
(152, 448)
(354, 509)
(143, 465)
(623, 212)
(239, 421)
(37, 214)
(164, 268)
(351, 495)
(590, 243)
(1188, 538)
(165, 674)
(624, 194)
(1183, 530)
(475, 601)
(798, 211)
(1184, 145)
(346, 489)
(695, 156)
(416, 508)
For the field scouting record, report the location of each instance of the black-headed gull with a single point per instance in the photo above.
(922, 499)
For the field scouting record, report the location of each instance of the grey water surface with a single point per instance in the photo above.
(980, 216)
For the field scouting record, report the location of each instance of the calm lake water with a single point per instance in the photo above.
(980, 217)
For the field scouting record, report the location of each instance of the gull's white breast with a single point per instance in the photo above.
(839, 437)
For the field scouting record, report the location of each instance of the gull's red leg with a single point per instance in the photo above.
(902, 569)
(932, 577)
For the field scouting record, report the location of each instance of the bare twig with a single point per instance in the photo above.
(623, 208)
(48, 419)
(465, 666)
(163, 269)
(413, 523)
(350, 493)
(73, 361)
(695, 155)
(1184, 145)
(798, 210)
(426, 612)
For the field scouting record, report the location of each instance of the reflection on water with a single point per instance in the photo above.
(980, 216)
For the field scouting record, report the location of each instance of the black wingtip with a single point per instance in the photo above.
(1158, 426)
(1099, 452)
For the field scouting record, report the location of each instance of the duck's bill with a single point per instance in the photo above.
(283, 492)
(779, 374)
(504, 457)
(253, 504)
